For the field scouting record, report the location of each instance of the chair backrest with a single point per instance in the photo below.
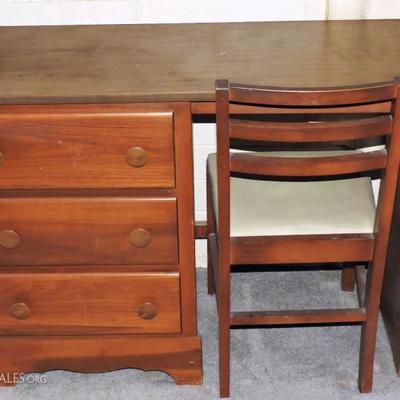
(315, 102)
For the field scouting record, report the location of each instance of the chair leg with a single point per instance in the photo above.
(224, 315)
(348, 278)
(369, 327)
(224, 360)
(367, 354)
(210, 272)
(224, 341)
(210, 230)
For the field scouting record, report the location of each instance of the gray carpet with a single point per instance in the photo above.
(276, 363)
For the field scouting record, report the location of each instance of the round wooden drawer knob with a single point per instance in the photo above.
(147, 311)
(140, 237)
(20, 311)
(9, 239)
(136, 157)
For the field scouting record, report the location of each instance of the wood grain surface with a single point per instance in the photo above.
(87, 146)
(180, 62)
(179, 356)
(85, 231)
(90, 303)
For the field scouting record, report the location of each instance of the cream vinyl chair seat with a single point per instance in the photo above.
(269, 208)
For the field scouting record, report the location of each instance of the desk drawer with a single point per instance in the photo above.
(113, 146)
(51, 303)
(89, 230)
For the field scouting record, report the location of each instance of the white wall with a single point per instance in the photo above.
(58, 12)
(54, 12)
(363, 9)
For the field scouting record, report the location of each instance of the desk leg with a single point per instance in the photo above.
(390, 305)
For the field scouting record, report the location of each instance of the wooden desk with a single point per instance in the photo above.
(171, 68)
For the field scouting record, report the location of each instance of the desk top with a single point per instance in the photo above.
(180, 62)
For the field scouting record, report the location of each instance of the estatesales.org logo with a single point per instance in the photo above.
(12, 378)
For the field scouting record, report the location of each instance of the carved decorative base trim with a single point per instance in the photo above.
(180, 357)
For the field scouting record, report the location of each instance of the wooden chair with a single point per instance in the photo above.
(267, 221)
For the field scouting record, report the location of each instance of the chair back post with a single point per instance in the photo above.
(386, 198)
(383, 219)
(387, 189)
(223, 241)
(223, 168)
